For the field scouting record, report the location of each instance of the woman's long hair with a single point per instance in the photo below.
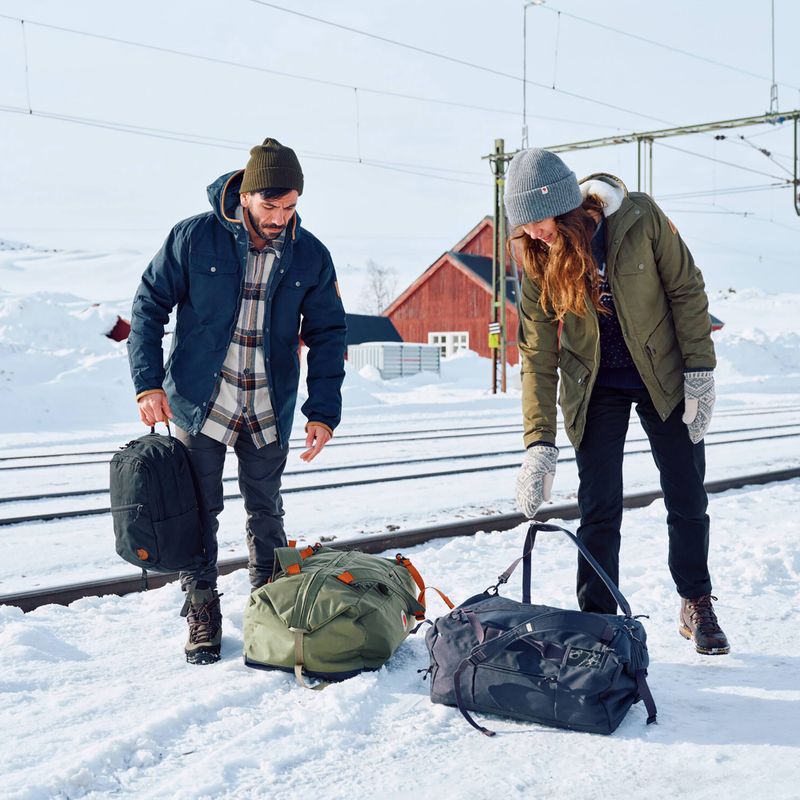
(566, 269)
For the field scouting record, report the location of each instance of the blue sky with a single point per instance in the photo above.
(421, 182)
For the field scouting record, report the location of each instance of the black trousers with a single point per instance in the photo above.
(681, 466)
(260, 471)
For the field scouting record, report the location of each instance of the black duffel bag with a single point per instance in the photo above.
(569, 669)
(154, 505)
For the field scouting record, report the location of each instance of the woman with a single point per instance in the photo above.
(612, 298)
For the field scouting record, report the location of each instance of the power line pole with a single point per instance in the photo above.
(497, 325)
(773, 92)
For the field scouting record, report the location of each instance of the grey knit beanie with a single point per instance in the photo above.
(539, 185)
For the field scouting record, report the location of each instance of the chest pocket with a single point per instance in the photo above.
(212, 265)
(213, 288)
(300, 280)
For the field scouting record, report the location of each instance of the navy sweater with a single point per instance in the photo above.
(617, 370)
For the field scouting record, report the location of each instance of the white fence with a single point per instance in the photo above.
(395, 359)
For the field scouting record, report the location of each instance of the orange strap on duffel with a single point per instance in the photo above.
(441, 594)
(414, 572)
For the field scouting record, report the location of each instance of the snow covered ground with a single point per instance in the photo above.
(101, 703)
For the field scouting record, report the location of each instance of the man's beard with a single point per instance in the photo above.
(268, 234)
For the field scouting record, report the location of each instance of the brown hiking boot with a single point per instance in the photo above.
(201, 610)
(699, 623)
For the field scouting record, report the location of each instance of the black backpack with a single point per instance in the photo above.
(154, 504)
(569, 669)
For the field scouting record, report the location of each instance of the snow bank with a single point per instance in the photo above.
(759, 347)
(59, 372)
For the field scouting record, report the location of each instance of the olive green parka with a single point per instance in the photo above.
(662, 307)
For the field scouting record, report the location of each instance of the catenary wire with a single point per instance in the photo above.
(665, 46)
(176, 136)
(719, 161)
(294, 75)
(454, 60)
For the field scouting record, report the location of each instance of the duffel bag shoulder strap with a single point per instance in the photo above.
(525, 558)
(548, 650)
(492, 647)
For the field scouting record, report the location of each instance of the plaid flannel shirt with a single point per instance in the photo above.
(241, 402)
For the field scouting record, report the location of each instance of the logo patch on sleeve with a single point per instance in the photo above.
(672, 227)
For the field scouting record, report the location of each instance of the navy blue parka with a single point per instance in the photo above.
(200, 269)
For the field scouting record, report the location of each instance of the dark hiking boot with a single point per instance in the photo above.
(699, 623)
(201, 610)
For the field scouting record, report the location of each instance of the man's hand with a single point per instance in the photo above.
(154, 408)
(317, 436)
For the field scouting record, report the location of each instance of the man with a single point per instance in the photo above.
(242, 276)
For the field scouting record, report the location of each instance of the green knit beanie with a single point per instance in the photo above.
(272, 166)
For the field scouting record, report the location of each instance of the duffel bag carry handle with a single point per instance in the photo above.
(525, 558)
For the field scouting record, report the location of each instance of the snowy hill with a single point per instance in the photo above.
(60, 374)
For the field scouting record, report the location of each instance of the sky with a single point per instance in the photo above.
(391, 139)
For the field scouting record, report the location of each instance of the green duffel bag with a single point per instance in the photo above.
(331, 614)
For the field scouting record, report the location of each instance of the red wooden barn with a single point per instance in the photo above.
(450, 303)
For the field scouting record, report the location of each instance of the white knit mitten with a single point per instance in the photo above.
(699, 404)
(535, 479)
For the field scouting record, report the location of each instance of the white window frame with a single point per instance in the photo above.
(449, 342)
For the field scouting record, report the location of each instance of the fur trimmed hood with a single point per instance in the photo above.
(609, 188)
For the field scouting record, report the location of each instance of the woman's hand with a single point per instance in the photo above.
(535, 479)
(699, 400)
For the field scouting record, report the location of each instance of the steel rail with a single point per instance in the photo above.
(381, 464)
(94, 512)
(446, 433)
(377, 543)
(301, 439)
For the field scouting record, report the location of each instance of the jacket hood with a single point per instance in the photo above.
(223, 194)
(609, 188)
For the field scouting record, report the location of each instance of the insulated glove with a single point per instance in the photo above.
(535, 477)
(699, 402)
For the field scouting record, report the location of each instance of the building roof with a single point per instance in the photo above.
(367, 328)
(482, 267)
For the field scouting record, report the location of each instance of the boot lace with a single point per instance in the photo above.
(203, 619)
(701, 613)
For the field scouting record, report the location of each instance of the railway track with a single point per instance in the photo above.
(104, 510)
(374, 465)
(349, 440)
(64, 595)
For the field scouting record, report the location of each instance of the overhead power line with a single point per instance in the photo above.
(294, 75)
(724, 191)
(669, 47)
(232, 144)
(452, 59)
(718, 160)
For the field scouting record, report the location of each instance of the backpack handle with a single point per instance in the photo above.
(166, 422)
(525, 558)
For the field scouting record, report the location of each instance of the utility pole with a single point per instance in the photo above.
(773, 92)
(497, 325)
